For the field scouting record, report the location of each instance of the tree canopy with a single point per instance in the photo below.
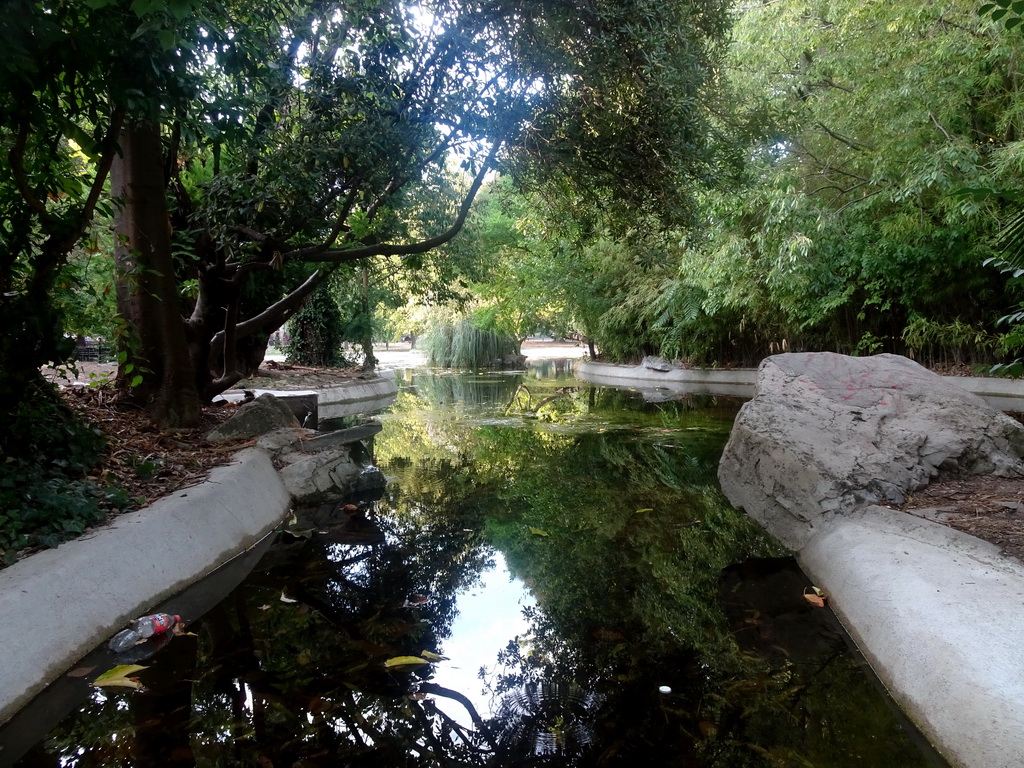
(241, 140)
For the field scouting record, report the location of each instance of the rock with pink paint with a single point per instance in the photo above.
(827, 433)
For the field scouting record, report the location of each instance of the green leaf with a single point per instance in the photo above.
(405, 661)
(997, 15)
(118, 677)
(136, 380)
(986, 8)
(167, 39)
(180, 9)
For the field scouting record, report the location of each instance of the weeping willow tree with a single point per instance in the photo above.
(464, 344)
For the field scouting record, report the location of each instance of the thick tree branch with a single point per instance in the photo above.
(277, 313)
(448, 693)
(339, 256)
(108, 152)
(842, 139)
(16, 157)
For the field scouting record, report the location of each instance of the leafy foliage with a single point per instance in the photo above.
(316, 331)
(462, 344)
(44, 495)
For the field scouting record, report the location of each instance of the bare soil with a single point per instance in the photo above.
(987, 507)
(990, 508)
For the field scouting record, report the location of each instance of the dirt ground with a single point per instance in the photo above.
(990, 508)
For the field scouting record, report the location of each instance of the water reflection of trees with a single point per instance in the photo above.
(621, 533)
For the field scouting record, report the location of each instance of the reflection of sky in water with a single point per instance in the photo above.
(490, 615)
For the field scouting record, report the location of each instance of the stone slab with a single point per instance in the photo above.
(939, 615)
(360, 389)
(57, 605)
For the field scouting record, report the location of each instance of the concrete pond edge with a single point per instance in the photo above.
(58, 604)
(936, 612)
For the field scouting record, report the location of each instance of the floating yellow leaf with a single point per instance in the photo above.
(405, 661)
(118, 677)
(645, 510)
(433, 656)
(538, 531)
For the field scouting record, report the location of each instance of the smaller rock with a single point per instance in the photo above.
(657, 364)
(311, 477)
(368, 479)
(264, 414)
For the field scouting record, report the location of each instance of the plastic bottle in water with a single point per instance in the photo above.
(143, 628)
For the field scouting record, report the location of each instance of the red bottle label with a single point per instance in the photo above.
(161, 622)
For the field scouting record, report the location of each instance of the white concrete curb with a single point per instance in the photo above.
(57, 605)
(938, 614)
(1001, 394)
(739, 382)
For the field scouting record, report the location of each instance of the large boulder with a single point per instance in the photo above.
(826, 433)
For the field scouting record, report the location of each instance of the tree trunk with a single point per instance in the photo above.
(147, 295)
(369, 361)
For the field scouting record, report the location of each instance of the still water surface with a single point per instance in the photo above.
(567, 551)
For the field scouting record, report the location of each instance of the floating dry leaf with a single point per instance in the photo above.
(80, 671)
(815, 597)
(286, 599)
(119, 677)
(538, 531)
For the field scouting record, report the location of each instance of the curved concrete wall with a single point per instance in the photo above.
(936, 612)
(1001, 394)
(58, 604)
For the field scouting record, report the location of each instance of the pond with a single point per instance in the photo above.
(550, 577)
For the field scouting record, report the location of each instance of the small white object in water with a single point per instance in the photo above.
(664, 689)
